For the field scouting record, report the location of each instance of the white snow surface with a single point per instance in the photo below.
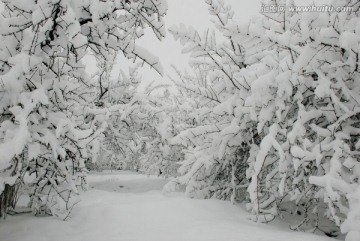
(129, 207)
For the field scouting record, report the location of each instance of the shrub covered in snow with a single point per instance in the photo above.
(280, 114)
(49, 123)
(138, 132)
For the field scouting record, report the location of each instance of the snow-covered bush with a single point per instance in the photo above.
(138, 132)
(49, 120)
(215, 161)
(158, 156)
(282, 121)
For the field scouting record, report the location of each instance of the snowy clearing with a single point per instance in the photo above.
(127, 206)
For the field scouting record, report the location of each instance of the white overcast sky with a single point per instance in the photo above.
(194, 13)
(188, 12)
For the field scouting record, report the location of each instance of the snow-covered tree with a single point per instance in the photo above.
(283, 122)
(215, 161)
(138, 132)
(49, 122)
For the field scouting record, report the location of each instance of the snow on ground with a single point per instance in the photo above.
(131, 207)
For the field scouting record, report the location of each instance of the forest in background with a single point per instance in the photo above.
(269, 114)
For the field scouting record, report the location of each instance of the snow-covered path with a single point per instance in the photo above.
(131, 207)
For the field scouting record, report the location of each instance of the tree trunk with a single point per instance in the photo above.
(7, 199)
